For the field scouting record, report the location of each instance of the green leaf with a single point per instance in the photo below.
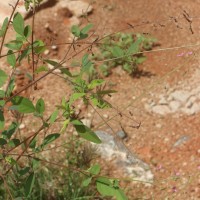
(95, 83)
(50, 138)
(86, 182)
(2, 120)
(27, 31)
(22, 105)
(24, 171)
(65, 125)
(11, 59)
(75, 96)
(85, 132)
(29, 184)
(3, 28)
(14, 45)
(120, 195)
(41, 69)
(117, 52)
(18, 23)
(2, 142)
(86, 29)
(103, 92)
(40, 49)
(39, 46)
(3, 77)
(86, 63)
(107, 187)
(53, 116)
(2, 94)
(10, 87)
(66, 71)
(104, 186)
(53, 63)
(32, 145)
(40, 106)
(75, 30)
(2, 103)
(10, 131)
(135, 47)
(95, 169)
(140, 60)
(99, 102)
(14, 142)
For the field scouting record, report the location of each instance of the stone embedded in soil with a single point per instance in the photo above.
(87, 122)
(163, 101)
(174, 105)
(123, 158)
(121, 134)
(181, 95)
(78, 8)
(181, 140)
(161, 109)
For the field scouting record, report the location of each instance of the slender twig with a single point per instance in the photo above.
(4, 36)
(32, 41)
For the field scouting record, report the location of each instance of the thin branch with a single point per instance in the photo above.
(4, 36)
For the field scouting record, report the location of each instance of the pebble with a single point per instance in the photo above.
(22, 126)
(174, 105)
(158, 125)
(181, 95)
(46, 52)
(54, 47)
(121, 134)
(78, 8)
(181, 140)
(87, 122)
(161, 109)
(105, 116)
(163, 101)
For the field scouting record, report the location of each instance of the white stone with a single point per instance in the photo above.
(87, 122)
(163, 101)
(22, 126)
(174, 105)
(78, 8)
(181, 95)
(161, 109)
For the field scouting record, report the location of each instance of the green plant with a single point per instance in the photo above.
(22, 164)
(122, 49)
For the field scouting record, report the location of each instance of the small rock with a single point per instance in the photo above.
(174, 105)
(46, 52)
(134, 97)
(87, 122)
(105, 116)
(78, 8)
(54, 47)
(22, 126)
(181, 95)
(124, 159)
(163, 101)
(47, 27)
(190, 102)
(121, 134)
(89, 115)
(181, 140)
(158, 125)
(161, 109)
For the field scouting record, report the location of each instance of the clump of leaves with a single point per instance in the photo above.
(123, 49)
